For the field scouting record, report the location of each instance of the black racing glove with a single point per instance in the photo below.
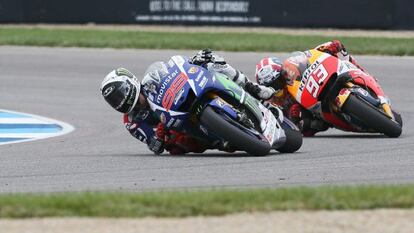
(206, 56)
(202, 57)
(156, 145)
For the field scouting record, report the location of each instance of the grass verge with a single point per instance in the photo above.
(193, 203)
(233, 41)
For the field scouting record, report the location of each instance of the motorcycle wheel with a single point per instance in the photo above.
(235, 136)
(398, 117)
(371, 117)
(293, 142)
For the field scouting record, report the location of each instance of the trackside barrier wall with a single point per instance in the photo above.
(368, 14)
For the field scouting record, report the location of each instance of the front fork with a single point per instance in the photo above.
(345, 92)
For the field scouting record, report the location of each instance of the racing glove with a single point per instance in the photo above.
(208, 59)
(156, 145)
(206, 56)
(335, 48)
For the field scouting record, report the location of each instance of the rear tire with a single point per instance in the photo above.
(371, 117)
(235, 136)
(293, 142)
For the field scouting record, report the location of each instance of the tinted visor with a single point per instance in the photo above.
(122, 97)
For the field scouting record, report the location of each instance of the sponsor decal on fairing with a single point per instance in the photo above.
(178, 96)
(165, 83)
(203, 82)
(193, 70)
(199, 76)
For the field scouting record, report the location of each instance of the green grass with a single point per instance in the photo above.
(192, 203)
(195, 41)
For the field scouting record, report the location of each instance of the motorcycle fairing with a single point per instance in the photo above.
(314, 79)
(223, 106)
(201, 82)
(184, 78)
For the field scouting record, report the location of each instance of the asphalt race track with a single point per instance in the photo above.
(63, 84)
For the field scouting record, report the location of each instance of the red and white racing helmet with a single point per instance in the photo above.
(268, 71)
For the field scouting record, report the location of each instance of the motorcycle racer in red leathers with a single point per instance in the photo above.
(271, 72)
(126, 94)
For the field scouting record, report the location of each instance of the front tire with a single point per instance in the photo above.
(398, 117)
(371, 117)
(234, 135)
(293, 142)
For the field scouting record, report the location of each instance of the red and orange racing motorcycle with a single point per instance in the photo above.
(343, 96)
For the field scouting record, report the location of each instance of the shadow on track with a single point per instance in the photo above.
(361, 136)
(212, 154)
(215, 154)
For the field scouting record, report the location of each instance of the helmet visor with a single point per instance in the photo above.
(130, 93)
(121, 97)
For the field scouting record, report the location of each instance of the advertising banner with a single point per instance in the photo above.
(364, 14)
(200, 12)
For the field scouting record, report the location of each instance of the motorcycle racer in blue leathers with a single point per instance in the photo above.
(126, 94)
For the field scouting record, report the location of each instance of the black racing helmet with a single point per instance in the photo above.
(121, 89)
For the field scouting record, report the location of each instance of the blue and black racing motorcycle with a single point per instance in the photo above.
(209, 105)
